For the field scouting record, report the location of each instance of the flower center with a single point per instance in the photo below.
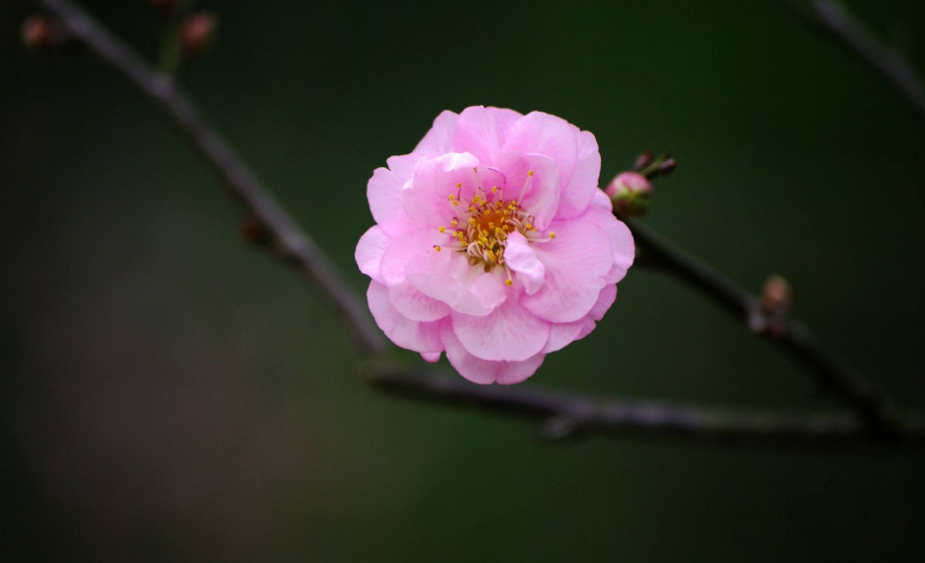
(479, 228)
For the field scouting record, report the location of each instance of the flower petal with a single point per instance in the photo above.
(483, 371)
(431, 357)
(425, 197)
(576, 262)
(545, 134)
(482, 131)
(509, 333)
(624, 247)
(576, 197)
(369, 251)
(532, 180)
(520, 257)
(384, 192)
(439, 140)
(563, 334)
(448, 277)
(602, 201)
(402, 250)
(413, 304)
(412, 335)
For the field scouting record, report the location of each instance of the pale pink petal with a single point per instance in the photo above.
(431, 357)
(624, 248)
(583, 183)
(403, 166)
(412, 335)
(563, 334)
(482, 131)
(439, 140)
(484, 371)
(541, 133)
(455, 174)
(384, 192)
(448, 277)
(602, 201)
(369, 251)
(576, 261)
(605, 301)
(520, 257)
(537, 193)
(509, 333)
(413, 304)
(402, 250)
(425, 198)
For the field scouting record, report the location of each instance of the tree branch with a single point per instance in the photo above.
(833, 18)
(564, 415)
(830, 370)
(282, 235)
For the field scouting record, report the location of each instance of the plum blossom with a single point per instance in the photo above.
(493, 242)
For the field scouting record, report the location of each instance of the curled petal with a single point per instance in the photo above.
(520, 257)
(431, 357)
(369, 251)
(545, 134)
(439, 140)
(447, 276)
(509, 333)
(484, 371)
(533, 181)
(402, 250)
(624, 247)
(577, 195)
(576, 262)
(412, 335)
(482, 131)
(413, 304)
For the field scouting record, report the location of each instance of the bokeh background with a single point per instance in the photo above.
(169, 393)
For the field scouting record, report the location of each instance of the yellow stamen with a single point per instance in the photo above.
(437, 247)
(442, 229)
(509, 282)
(552, 234)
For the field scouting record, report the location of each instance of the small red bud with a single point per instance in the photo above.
(630, 193)
(198, 34)
(38, 32)
(776, 296)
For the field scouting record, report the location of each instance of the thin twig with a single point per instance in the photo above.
(286, 240)
(831, 371)
(565, 416)
(837, 21)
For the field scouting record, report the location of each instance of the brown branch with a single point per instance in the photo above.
(283, 236)
(831, 371)
(564, 415)
(837, 22)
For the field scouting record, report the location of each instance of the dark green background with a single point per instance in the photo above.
(169, 393)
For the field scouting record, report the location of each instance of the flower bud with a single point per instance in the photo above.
(38, 32)
(776, 296)
(630, 193)
(198, 34)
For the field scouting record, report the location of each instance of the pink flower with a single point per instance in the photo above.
(493, 242)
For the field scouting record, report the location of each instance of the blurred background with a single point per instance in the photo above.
(169, 393)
